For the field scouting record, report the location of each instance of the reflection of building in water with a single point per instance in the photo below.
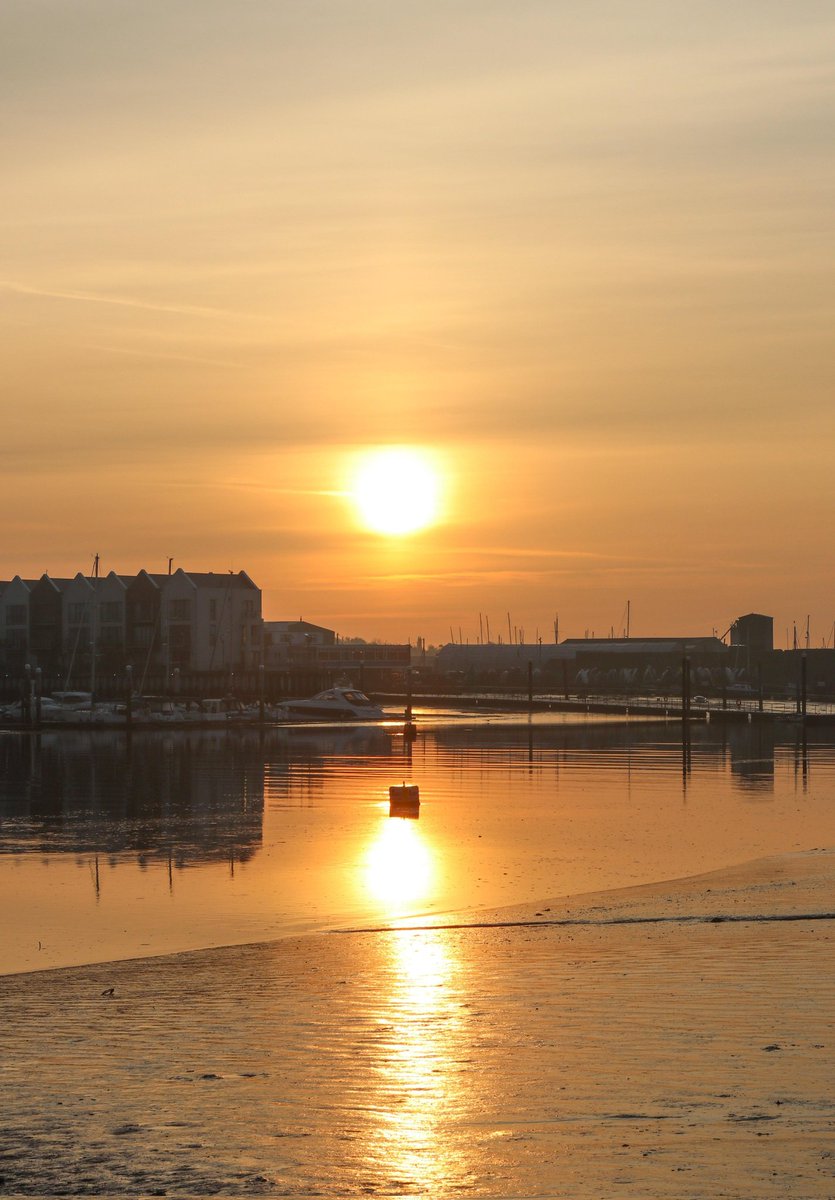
(302, 759)
(191, 798)
(751, 752)
(747, 750)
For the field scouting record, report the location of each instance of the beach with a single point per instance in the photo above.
(671, 1040)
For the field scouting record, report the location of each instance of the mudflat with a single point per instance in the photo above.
(666, 1041)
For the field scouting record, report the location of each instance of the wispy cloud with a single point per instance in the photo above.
(268, 488)
(189, 310)
(165, 357)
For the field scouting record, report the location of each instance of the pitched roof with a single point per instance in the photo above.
(213, 579)
(220, 579)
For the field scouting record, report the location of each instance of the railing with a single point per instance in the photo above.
(579, 700)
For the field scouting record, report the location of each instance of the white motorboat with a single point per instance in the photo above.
(335, 704)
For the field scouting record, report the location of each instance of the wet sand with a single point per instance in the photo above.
(619, 1055)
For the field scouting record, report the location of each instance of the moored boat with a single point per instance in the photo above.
(335, 704)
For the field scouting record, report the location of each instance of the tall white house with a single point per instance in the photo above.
(187, 620)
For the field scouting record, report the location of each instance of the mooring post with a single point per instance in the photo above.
(409, 727)
(261, 693)
(685, 689)
(129, 697)
(530, 685)
(803, 685)
(38, 694)
(26, 698)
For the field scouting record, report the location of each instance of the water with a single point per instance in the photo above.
(603, 1058)
(113, 848)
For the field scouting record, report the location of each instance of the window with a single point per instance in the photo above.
(143, 610)
(110, 612)
(179, 610)
(78, 614)
(16, 614)
(213, 610)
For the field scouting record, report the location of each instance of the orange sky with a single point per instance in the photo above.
(581, 253)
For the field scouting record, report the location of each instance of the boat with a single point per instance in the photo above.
(61, 708)
(335, 704)
(224, 709)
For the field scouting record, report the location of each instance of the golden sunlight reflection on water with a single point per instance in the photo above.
(398, 867)
(171, 842)
(419, 1074)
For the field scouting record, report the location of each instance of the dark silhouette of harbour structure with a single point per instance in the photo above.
(187, 633)
(745, 668)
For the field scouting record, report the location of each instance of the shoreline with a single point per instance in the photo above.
(674, 1061)
(566, 911)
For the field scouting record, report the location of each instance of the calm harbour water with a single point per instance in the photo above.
(113, 848)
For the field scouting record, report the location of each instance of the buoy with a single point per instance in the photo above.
(404, 800)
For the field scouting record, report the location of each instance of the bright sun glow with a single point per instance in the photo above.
(396, 490)
(398, 866)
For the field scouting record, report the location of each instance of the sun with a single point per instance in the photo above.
(397, 490)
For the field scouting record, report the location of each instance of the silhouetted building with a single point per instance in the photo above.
(289, 641)
(300, 644)
(195, 620)
(754, 631)
(610, 664)
(200, 621)
(14, 623)
(46, 621)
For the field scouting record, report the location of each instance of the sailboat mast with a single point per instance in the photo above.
(93, 633)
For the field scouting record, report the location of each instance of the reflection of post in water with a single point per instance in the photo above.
(530, 745)
(96, 880)
(686, 757)
(804, 756)
(801, 758)
(407, 754)
(34, 757)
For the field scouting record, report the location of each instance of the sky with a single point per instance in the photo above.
(579, 255)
